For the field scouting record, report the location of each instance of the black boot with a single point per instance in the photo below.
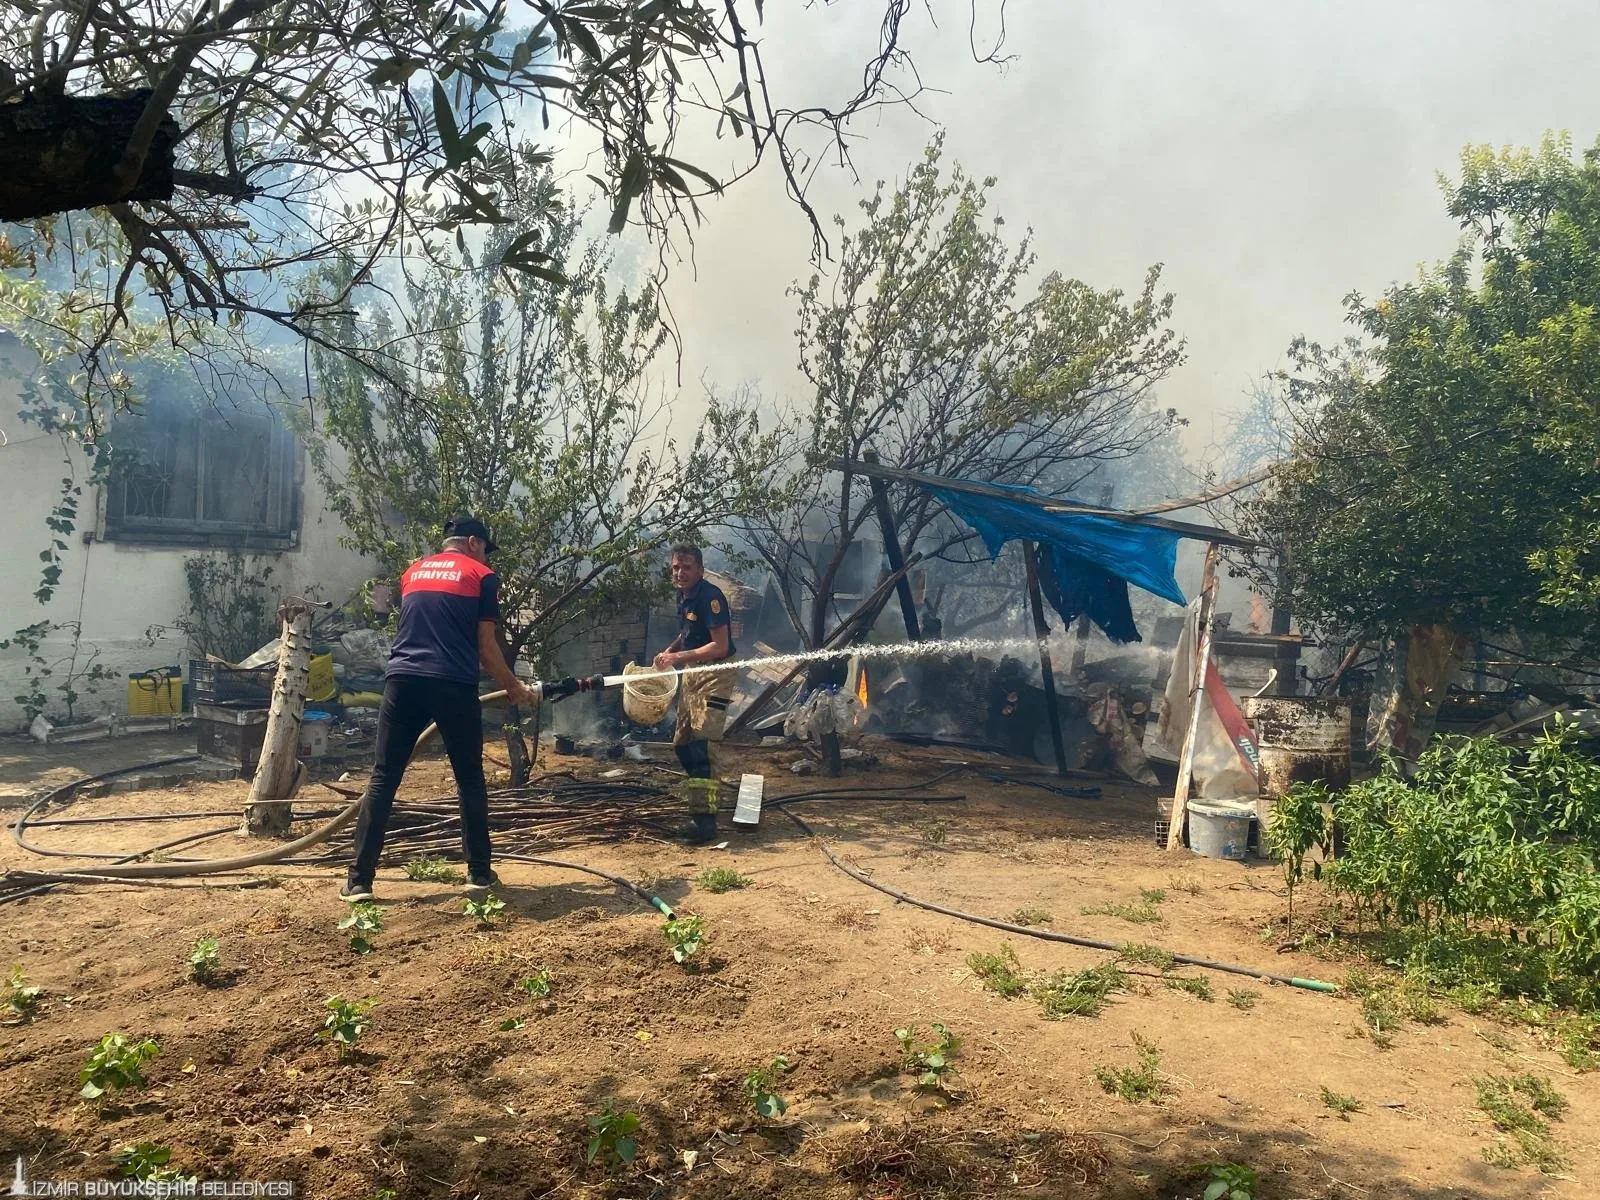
(703, 829)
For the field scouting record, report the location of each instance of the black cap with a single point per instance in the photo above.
(465, 526)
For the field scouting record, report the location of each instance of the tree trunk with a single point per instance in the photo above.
(516, 746)
(61, 154)
(266, 813)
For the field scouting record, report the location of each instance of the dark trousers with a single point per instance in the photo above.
(410, 704)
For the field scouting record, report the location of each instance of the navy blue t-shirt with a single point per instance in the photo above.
(700, 610)
(442, 599)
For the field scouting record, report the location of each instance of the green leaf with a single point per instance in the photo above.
(770, 1106)
(1216, 1189)
(445, 121)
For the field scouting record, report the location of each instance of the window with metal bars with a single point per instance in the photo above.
(200, 475)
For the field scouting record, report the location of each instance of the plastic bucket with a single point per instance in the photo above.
(647, 700)
(1220, 828)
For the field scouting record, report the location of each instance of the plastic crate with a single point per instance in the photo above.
(214, 682)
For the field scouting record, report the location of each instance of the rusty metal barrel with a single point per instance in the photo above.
(1302, 739)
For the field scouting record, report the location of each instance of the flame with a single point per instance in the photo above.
(861, 685)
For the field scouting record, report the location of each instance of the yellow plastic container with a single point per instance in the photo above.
(155, 694)
(319, 683)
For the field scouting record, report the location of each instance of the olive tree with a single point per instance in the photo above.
(534, 407)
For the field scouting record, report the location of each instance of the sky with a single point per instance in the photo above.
(1274, 156)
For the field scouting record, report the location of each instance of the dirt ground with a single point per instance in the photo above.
(806, 963)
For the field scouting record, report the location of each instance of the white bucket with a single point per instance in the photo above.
(646, 700)
(1220, 828)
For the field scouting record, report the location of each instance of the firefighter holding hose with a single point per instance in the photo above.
(449, 608)
(704, 637)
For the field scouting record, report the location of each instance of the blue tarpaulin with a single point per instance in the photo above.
(1089, 560)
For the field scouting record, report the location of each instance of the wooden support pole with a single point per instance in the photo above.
(1197, 691)
(266, 813)
(891, 547)
(1030, 554)
(1288, 657)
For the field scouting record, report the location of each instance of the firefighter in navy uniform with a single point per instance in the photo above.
(704, 637)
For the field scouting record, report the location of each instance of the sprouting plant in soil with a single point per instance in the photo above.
(1298, 824)
(1001, 973)
(1138, 1084)
(936, 833)
(722, 879)
(760, 1089)
(1243, 999)
(1229, 1181)
(538, 985)
(22, 997)
(427, 868)
(345, 1023)
(1030, 916)
(205, 963)
(364, 920)
(929, 1058)
(613, 1136)
(115, 1064)
(148, 1162)
(684, 936)
(485, 910)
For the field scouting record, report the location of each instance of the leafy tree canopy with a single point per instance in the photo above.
(1443, 468)
(931, 343)
(303, 132)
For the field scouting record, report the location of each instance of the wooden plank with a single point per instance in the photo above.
(1180, 794)
(1204, 533)
(1041, 631)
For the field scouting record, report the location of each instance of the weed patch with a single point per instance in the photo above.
(722, 879)
(1143, 913)
(1340, 1103)
(1078, 993)
(1001, 973)
(1196, 985)
(1519, 1105)
(1243, 999)
(1030, 916)
(1144, 955)
(1139, 1084)
(428, 869)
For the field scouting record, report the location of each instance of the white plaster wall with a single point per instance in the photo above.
(120, 588)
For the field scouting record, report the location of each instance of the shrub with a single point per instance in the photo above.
(1480, 865)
